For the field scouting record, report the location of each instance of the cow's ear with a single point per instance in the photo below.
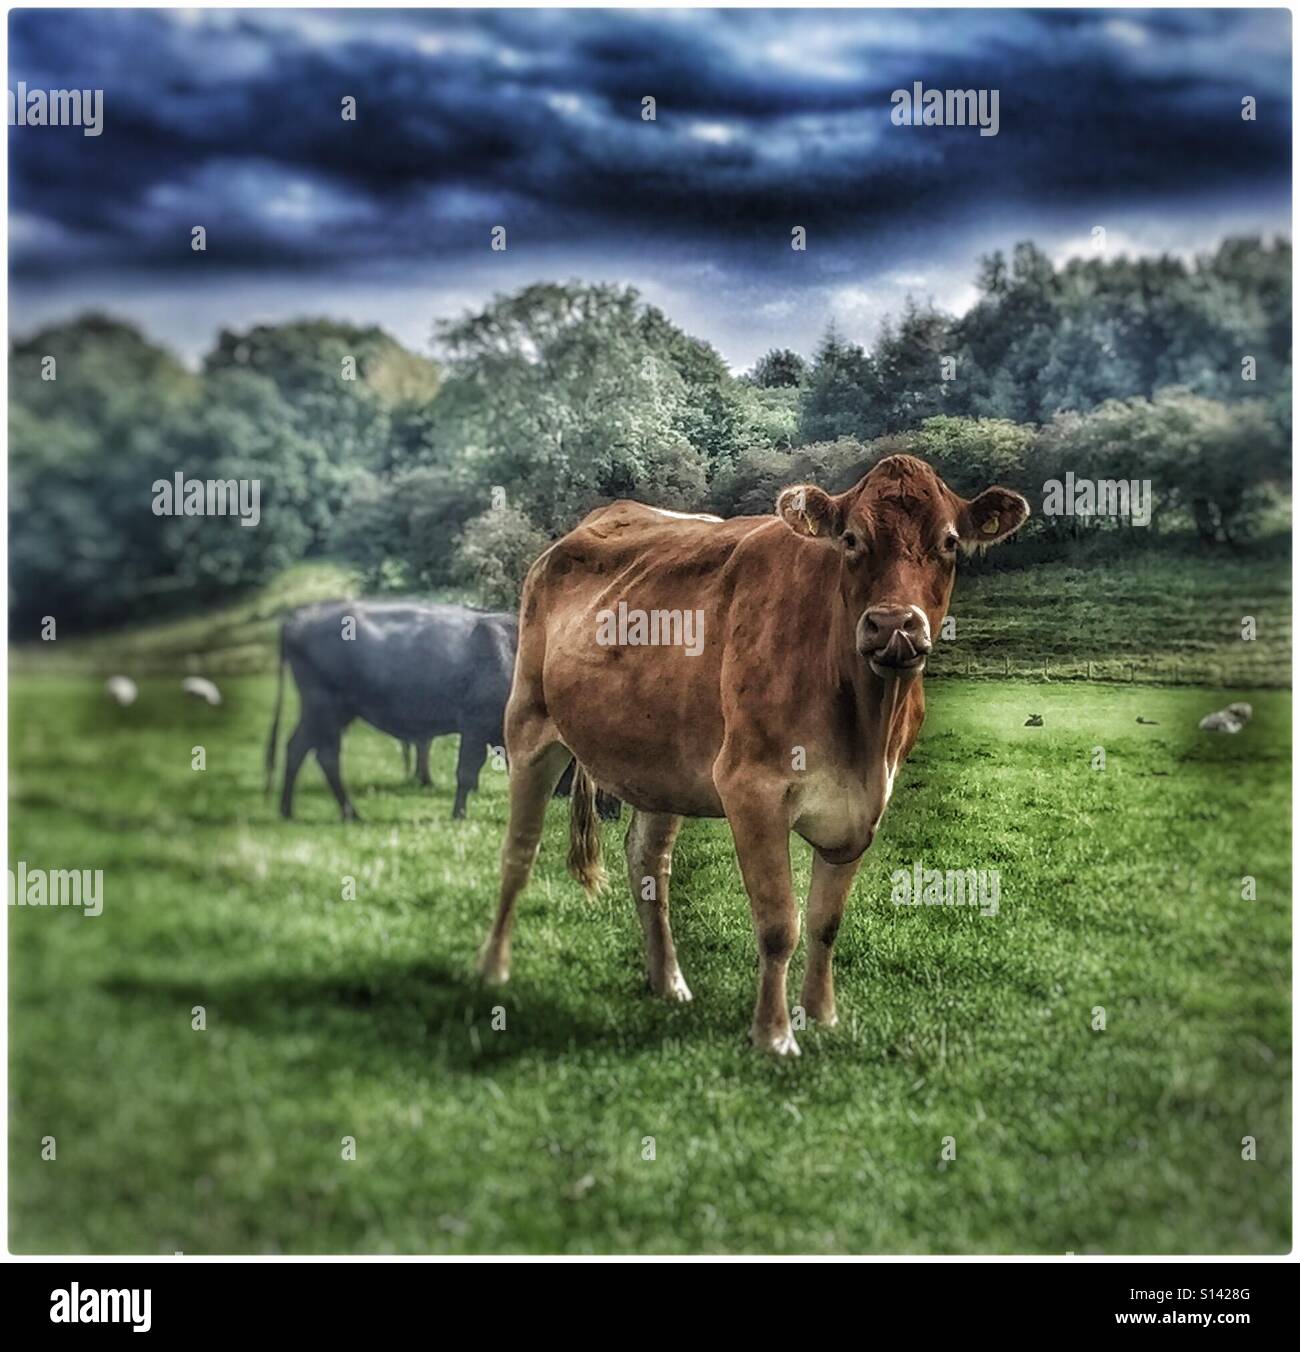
(807, 510)
(991, 517)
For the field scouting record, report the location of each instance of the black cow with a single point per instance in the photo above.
(412, 670)
(607, 806)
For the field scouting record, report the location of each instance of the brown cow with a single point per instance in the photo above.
(766, 669)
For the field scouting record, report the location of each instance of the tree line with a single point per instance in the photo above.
(454, 473)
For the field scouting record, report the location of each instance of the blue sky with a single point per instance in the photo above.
(766, 119)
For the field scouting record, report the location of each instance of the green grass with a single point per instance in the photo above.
(1159, 617)
(329, 1018)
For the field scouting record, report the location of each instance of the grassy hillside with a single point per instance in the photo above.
(233, 639)
(329, 1018)
(1165, 618)
(1153, 617)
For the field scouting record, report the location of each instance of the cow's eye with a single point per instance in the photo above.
(850, 540)
(950, 544)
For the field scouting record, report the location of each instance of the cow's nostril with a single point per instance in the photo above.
(886, 621)
(896, 635)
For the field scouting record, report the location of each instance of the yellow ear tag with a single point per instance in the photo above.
(809, 524)
(990, 527)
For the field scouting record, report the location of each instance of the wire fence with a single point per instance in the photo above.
(1266, 673)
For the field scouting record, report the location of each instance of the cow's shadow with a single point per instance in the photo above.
(390, 1015)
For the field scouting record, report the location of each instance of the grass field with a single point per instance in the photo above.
(329, 1018)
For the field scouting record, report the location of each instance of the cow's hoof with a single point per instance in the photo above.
(351, 815)
(493, 969)
(826, 1018)
(776, 1044)
(674, 989)
(458, 816)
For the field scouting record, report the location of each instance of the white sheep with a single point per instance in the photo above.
(121, 689)
(198, 687)
(1220, 721)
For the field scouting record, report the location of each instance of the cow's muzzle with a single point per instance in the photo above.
(894, 639)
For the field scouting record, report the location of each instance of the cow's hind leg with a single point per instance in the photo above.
(649, 847)
(537, 760)
(473, 752)
(300, 743)
(327, 754)
(422, 776)
(827, 895)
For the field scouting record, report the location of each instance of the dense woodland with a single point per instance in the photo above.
(453, 472)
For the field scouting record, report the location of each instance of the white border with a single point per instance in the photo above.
(150, 1259)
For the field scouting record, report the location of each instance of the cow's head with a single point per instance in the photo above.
(899, 533)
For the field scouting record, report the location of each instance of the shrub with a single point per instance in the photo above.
(493, 553)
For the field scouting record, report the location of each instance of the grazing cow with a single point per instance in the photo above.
(412, 670)
(766, 669)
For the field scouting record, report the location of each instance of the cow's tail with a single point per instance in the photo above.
(584, 833)
(275, 720)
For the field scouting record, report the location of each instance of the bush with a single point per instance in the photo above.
(749, 487)
(493, 553)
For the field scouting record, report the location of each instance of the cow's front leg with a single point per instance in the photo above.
(827, 896)
(761, 831)
(649, 847)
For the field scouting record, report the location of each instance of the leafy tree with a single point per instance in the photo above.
(909, 377)
(494, 552)
(242, 429)
(355, 390)
(840, 392)
(769, 416)
(400, 529)
(750, 486)
(1209, 462)
(566, 396)
(712, 412)
(84, 449)
(778, 369)
(972, 453)
(1042, 340)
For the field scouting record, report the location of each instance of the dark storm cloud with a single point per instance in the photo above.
(531, 119)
